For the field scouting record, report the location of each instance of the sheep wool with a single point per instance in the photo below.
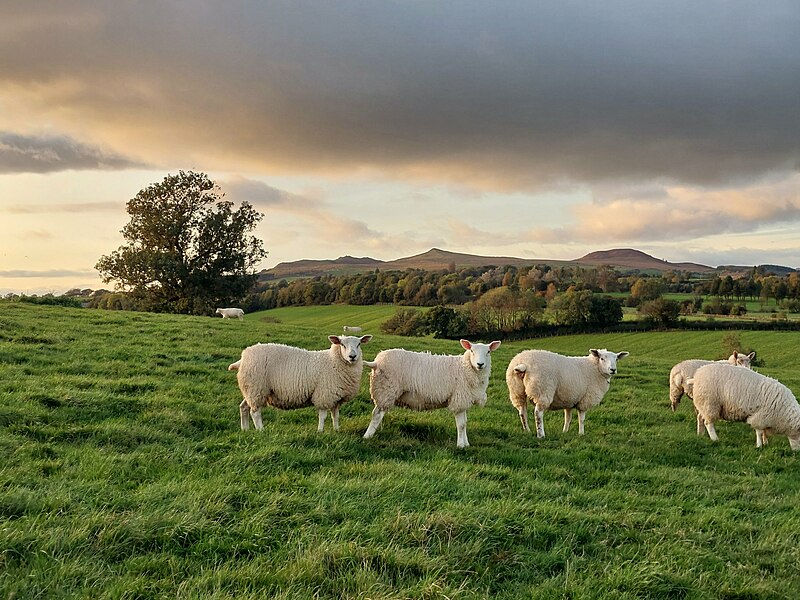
(286, 377)
(552, 381)
(722, 391)
(424, 381)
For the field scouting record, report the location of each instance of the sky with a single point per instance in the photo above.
(508, 128)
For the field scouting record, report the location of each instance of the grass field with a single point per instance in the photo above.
(124, 475)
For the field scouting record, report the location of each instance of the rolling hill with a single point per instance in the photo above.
(435, 259)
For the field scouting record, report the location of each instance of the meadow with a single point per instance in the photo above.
(124, 474)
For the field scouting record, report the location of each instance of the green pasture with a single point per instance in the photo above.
(123, 474)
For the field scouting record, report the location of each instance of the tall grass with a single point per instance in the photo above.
(123, 474)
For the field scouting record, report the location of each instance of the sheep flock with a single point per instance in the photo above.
(286, 377)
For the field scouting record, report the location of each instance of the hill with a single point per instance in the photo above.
(636, 259)
(435, 259)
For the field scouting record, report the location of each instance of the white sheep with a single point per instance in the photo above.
(286, 377)
(552, 381)
(722, 391)
(230, 313)
(424, 381)
(685, 370)
(347, 329)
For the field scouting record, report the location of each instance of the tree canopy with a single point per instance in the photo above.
(187, 249)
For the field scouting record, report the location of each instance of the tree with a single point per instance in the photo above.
(187, 249)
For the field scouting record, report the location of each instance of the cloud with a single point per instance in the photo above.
(679, 213)
(64, 207)
(312, 212)
(51, 273)
(44, 154)
(510, 96)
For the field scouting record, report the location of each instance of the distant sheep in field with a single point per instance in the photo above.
(552, 381)
(286, 377)
(685, 370)
(721, 391)
(424, 381)
(230, 313)
(347, 329)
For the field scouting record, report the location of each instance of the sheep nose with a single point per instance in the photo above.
(480, 365)
(613, 371)
(352, 357)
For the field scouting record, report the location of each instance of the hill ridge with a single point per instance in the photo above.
(438, 258)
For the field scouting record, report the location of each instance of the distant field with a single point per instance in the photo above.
(125, 475)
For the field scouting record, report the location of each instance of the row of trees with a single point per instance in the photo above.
(416, 287)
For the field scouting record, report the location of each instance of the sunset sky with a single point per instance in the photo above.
(382, 129)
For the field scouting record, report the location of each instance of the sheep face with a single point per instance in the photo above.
(743, 360)
(349, 346)
(607, 361)
(479, 354)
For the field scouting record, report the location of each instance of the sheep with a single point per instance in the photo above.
(347, 329)
(286, 377)
(685, 370)
(552, 381)
(722, 391)
(424, 381)
(229, 313)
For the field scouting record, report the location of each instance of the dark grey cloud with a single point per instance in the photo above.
(44, 154)
(512, 92)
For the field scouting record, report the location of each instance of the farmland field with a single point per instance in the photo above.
(124, 474)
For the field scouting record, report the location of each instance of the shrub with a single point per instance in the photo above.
(406, 321)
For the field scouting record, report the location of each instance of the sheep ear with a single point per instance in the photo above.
(594, 352)
(334, 339)
(621, 355)
(494, 345)
(365, 338)
(752, 355)
(466, 344)
(735, 354)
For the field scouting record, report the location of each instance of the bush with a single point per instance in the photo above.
(406, 321)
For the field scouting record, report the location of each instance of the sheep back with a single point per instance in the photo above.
(287, 377)
(423, 381)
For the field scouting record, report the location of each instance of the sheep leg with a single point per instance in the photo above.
(523, 417)
(538, 413)
(323, 414)
(567, 419)
(581, 419)
(675, 395)
(712, 433)
(759, 438)
(375, 422)
(256, 416)
(700, 424)
(335, 418)
(461, 427)
(244, 415)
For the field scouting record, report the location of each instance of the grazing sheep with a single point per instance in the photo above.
(424, 381)
(552, 381)
(722, 391)
(230, 313)
(685, 370)
(287, 377)
(347, 329)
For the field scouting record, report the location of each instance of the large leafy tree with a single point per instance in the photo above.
(187, 249)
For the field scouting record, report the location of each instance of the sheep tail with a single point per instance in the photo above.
(234, 366)
(371, 364)
(520, 370)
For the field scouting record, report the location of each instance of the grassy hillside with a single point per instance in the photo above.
(125, 475)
